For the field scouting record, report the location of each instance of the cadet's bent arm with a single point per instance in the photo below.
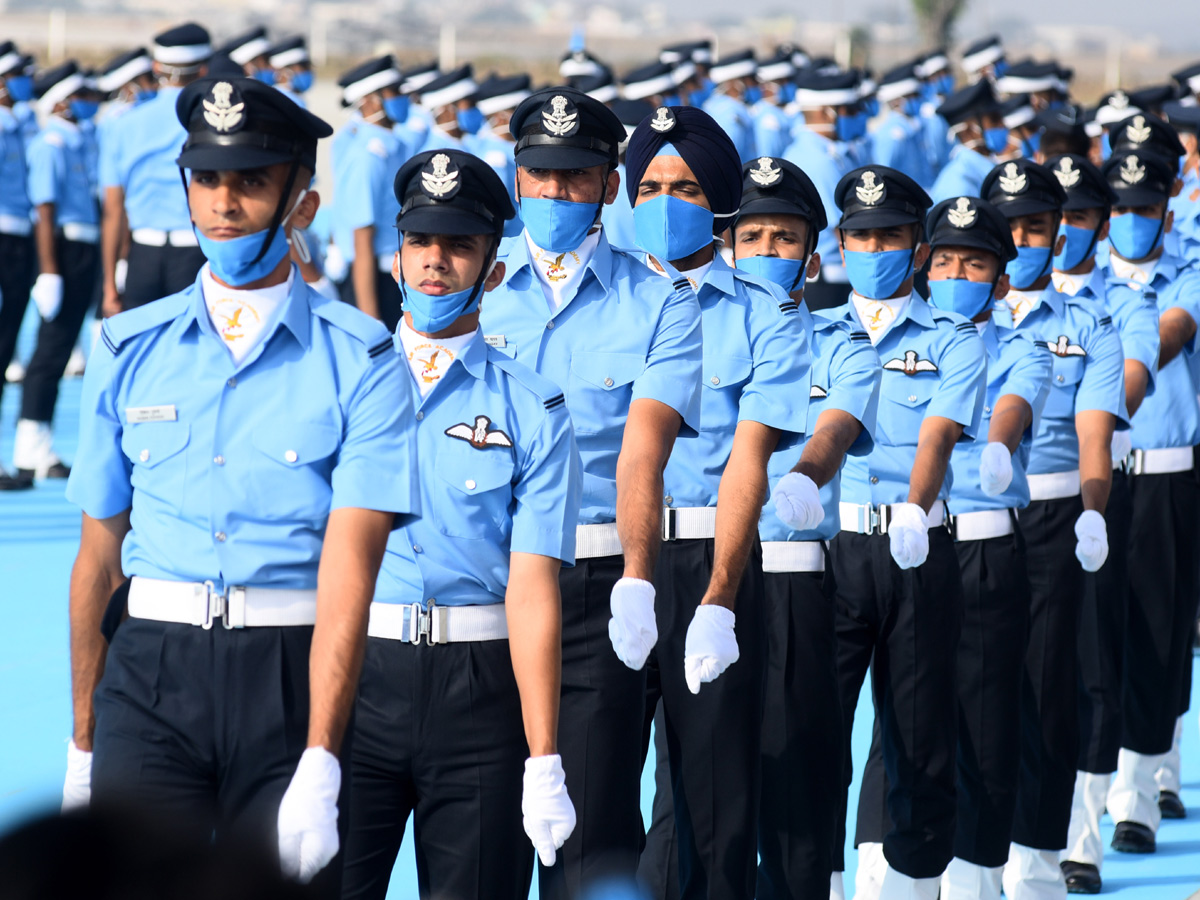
(112, 236)
(363, 271)
(1010, 421)
(533, 607)
(44, 233)
(650, 433)
(1095, 430)
(94, 577)
(1137, 382)
(740, 498)
(836, 432)
(354, 543)
(1175, 328)
(935, 442)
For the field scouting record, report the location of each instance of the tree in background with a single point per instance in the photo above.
(935, 18)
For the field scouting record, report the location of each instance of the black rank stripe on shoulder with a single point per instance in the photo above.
(860, 336)
(965, 326)
(554, 402)
(789, 307)
(108, 341)
(381, 347)
(1107, 320)
(682, 283)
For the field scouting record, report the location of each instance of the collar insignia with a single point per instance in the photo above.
(1138, 131)
(437, 179)
(221, 113)
(1013, 180)
(868, 191)
(962, 216)
(560, 118)
(480, 436)
(1063, 347)
(767, 174)
(911, 364)
(663, 121)
(1132, 171)
(1066, 173)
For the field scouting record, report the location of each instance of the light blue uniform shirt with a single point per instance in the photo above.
(437, 138)
(232, 470)
(1018, 367)
(1089, 372)
(899, 142)
(824, 161)
(757, 360)
(948, 379)
(14, 191)
(363, 189)
(618, 219)
(845, 376)
(627, 333)
(1134, 315)
(935, 135)
(518, 494)
(497, 153)
(146, 142)
(62, 171)
(27, 119)
(1184, 237)
(735, 120)
(772, 128)
(962, 176)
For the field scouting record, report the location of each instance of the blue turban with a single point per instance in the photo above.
(702, 144)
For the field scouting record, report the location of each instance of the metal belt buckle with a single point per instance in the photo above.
(235, 598)
(428, 623)
(1136, 462)
(668, 524)
(880, 518)
(952, 526)
(418, 623)
(214, 605)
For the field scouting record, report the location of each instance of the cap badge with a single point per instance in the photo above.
(437, 180)
(1066, 173)
(962, 216)
(1119, 100)
(1013, 180)
(767, 174)
(1138, 131)
(1132, 171)
(221, 113)
(560, 118)
(867, 191)
(663, 121)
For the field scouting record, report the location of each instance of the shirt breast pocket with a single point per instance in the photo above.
(293, 468)
(600, 389)
(724, 377)
(903, 404)
(1064, 383)
(159, 464)
(477, 504)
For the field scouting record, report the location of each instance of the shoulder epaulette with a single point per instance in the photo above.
(860, 337)
(965, 327)
(382, 347)
(789, 308)
(554, 402)
(344, 317)
(541, 387)
(127, 325)
(1106, 320)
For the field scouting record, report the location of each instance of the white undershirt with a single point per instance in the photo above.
(694, 276)
(878, 316)
(240, 317)
(1069, 284)
(559, 272)
(429, 358)
(1019, 304)
(1142, 273)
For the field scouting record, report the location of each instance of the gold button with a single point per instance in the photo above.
(715, 380)
(291, 456)
(144, 456)
(470, 484)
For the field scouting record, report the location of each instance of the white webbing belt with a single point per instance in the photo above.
(82, 232)
(866, 518)
(198, 603)
(689, 523)
(438, 624)
(982, 525)
(156, 237)
(15, 225)
(1054, 485)
(594, 541)
(793, 556)
(1163, 461)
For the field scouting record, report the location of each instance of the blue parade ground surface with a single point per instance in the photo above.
(39, 534)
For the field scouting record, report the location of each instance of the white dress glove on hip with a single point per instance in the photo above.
(1091, 546)
(632, 628)
(995, 469)
(77, 788)
(1122, 445)
(908, 535)
(308, 836)
(710, 646)
(798, 502)
(47, 295)
(549, 814)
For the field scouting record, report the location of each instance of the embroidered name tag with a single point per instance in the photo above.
(495, 340)
(137, 414)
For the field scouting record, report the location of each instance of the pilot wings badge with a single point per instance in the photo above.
(911, 364)
(437, 180)
(767, 174)
(221, 113)
(1138, 131)
(1013, 180)
(1132, 171)
(663, 121)
(560, 118)
(867, 190)
(1066, 173)
(962, 216)
(1063, 347)
(480, 436)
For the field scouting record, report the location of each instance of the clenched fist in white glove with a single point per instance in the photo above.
(308, 836)
(1122, 445)
(710, 646)
(995, 469)
(47, 295)
(908, 535)
(798, 502)
(77, 788)
(1091, 546)
(632, 628)
(549, 814)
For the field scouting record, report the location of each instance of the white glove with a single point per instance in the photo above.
(995, 469)
(336, 265)
(308, 837)
(77, 788)
(798, 502)
(1091, 547)
(710, 646)
(908, 535)
(1122, 445)
(549, 814)
(632, 628)
(121, 275)
(47, 295)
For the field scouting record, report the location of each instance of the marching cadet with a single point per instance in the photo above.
(496, 99)
(17, 250)
(936, 85)
(251, 50)
(233, 438)
(894, 562)
(62, 192)
(18, 81)
(1163, 550)
(141, 188)
(984, 59)
(618, 215)
(732, 75)
(624, 345)
(449, 98)
(1069, 475)
(483, 561)
(1184, 238)
(978, 129)
(774, 238)
(651, 83)
(290, 62)
(1020, 119)
(828, 104)
(1042, 81)
(900, 142)
(772, 125)
(685, 183)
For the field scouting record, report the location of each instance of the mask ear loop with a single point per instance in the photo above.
(277, 221)
(296, 238)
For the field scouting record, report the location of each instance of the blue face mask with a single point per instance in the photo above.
(1105, 146)
(871, 107)
(1000, 66)
(845, 128)
(945, 84)
(233, 261)
(1030, 265)
(669, 228)
(912, 106)
(1029, 145)
(699, 96)
(302, 81)
(1135, 237)
(787, 273)
(1080, 242)
(470, 120)
(752, 95)
(20, 88)
(396, 109)
(672, 100)
(877, 276)
(144, 95)
(995, 139)
(82, 110)
(967, 298)
(557, 225)
(787, 93)
(266, 76)
(433, 313)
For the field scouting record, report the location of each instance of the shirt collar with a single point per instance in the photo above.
(600, 263)
(474, 356)
(991, 338)
(719, 276)
(295, 314)
(916, 310)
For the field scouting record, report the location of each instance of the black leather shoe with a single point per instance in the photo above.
(1132, 837)
(59, 470)
(1171, 806)
(16, 482)
(1082, 878)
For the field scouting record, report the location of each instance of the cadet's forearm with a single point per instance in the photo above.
(1095, 430)
(534, 610)
(1137, 382)
(650, 433)
(1010, 420)
(354, 543)
(1175, 329)
(112, 235)
(363, 271)
(836, 431)
(934, 446)
(43, 233)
